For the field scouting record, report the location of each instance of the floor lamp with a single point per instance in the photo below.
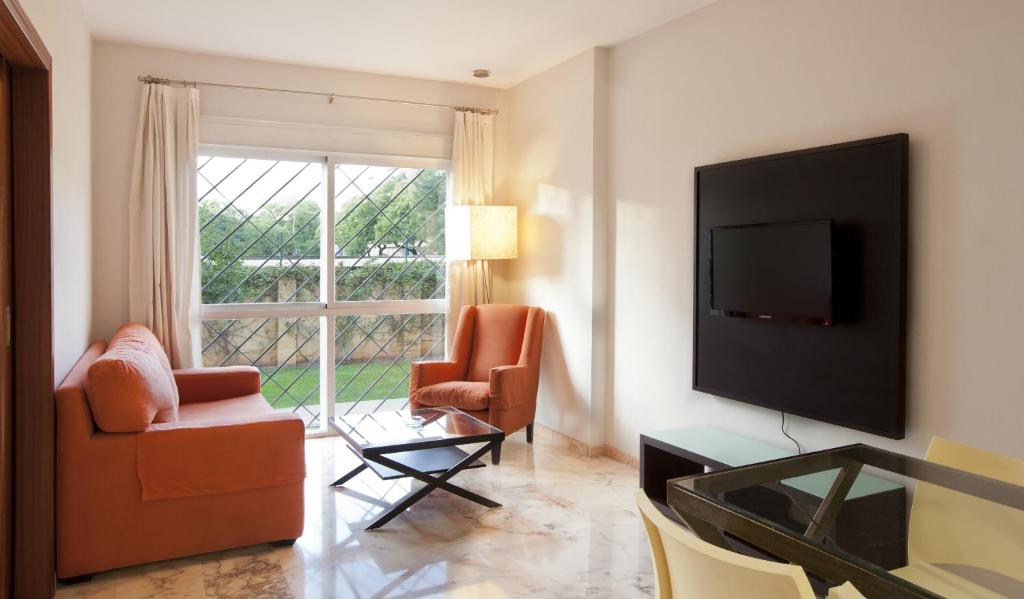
(482, 233)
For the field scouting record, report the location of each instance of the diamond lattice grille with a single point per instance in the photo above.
(373, 357)
(389, 233)
(259, 228)
(286, 351)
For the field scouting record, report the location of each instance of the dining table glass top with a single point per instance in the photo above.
(827, 512)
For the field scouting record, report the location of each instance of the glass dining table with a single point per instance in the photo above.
(725, 508)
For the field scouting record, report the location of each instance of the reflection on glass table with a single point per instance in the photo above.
(966, 533)
(424, 444)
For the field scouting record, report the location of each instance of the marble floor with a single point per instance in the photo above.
(568, 529)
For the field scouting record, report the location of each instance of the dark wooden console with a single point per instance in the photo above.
(872, 523)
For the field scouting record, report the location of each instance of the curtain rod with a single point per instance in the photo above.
(329, 95)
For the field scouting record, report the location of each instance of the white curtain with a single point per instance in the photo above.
(163, 243)
(472, 172)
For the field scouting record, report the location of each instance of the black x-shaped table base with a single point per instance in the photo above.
(432, 482)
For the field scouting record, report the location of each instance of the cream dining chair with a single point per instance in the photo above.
(686, 567)
(845, 591)
(948, 527)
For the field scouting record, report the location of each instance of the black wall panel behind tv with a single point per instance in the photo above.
(853, 372)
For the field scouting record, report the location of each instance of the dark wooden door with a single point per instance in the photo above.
(26, 331)
(6, 403)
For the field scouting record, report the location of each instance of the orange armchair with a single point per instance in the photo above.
(493, 372)
(215, 468)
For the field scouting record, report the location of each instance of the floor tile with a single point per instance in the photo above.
(567, 528)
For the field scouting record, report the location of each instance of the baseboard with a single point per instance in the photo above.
(583, 449)
(564, 440)
(616, 454)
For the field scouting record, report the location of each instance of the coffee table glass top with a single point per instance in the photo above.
(412, 429)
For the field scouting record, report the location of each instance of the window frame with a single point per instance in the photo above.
(329, 307)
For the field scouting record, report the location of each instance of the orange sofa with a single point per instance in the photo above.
(155, 464)
(493, 372)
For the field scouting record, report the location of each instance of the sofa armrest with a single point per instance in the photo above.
(187, 459)
(512, 386)
(211, 384)
(424, 374)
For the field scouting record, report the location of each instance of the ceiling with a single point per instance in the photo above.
(429, 39)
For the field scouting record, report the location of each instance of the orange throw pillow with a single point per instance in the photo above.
(131, 385)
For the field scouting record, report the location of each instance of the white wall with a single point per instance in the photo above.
(246, 118)
(545, 164)
(743, 78)
(738, 78)
(63, 29)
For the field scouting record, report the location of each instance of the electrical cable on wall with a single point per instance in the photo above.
(795, 502)
(799, 449)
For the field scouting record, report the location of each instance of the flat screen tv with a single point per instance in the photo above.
(773, 271)
(800, 275)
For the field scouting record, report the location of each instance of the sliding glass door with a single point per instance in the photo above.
(311, 260)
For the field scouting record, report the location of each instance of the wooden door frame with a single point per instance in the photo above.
(34, 411)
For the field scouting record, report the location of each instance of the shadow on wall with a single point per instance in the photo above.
(543, 230)
(542, 234)
(560, 405)
(934, 241)
(540, 243)
(554, 224)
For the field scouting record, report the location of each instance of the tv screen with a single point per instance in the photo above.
(773, 271)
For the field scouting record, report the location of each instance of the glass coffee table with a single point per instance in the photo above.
(422, 444)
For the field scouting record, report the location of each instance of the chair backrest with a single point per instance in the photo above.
(845, 591)
(686, 567)
(497, 338)
(948, 527)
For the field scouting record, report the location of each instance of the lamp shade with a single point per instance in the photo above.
(481, 232)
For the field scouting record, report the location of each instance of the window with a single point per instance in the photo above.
(311, 260)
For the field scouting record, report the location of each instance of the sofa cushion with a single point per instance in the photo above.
(464, 395)
(192, 459)
(131, 385)
(233, 407)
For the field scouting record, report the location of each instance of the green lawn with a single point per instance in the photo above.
(307, 383)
